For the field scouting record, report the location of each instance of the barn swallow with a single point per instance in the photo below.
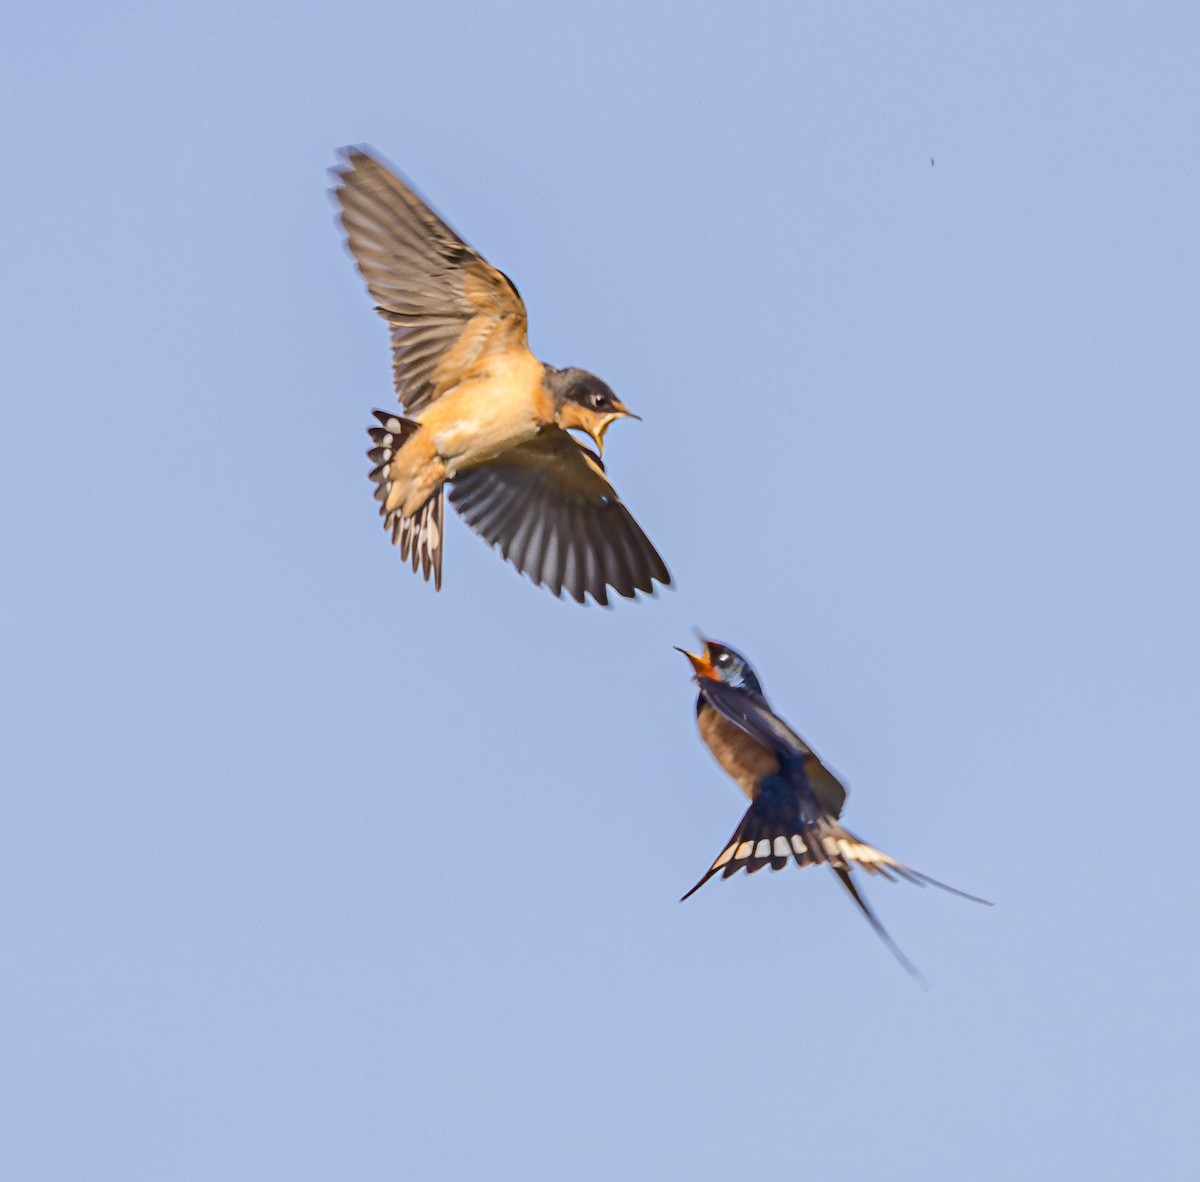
(795, 800)
(479, 412)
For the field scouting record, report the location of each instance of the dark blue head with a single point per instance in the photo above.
(721, 663)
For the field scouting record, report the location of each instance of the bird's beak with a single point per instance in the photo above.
(597, 432)
(701, 666)
(623, 412)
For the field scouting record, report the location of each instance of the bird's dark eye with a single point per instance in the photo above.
(723, 659)
(597, 399)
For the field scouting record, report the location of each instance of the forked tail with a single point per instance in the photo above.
(779, 826)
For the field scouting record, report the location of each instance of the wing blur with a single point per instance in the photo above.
(447, 308)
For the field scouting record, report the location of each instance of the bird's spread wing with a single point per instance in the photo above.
(551, 510)
(448, 309)
(750, 712)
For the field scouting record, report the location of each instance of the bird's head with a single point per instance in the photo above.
(582, 402)
(720, 663)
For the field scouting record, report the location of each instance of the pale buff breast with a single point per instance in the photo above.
(744, 759)
(486, 415)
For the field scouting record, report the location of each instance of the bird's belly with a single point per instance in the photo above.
(744, 759)
(482, 418)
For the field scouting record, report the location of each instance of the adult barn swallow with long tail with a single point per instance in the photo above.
(480, 412)
(795, 800)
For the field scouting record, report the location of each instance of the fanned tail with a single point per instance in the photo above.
(771, 832)
(780, 825)
(419, 536)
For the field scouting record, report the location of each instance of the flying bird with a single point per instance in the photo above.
(479, 412)
(795, 800)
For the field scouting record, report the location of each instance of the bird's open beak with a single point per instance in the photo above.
(607, 421)
(701, 666)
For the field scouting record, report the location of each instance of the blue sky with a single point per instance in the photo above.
(309, 873)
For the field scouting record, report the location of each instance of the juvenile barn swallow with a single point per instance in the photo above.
(480, 412)
(795, 799)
